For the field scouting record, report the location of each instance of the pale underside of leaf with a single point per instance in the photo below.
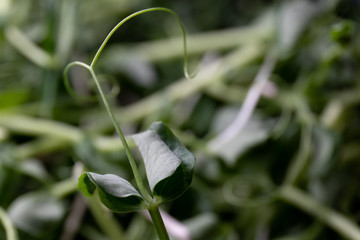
(114, 192)
(160, 161)
(114, 185)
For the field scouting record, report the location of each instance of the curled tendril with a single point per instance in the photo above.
(113, 92)
(186, 68)
(67, 84)
(91, 66)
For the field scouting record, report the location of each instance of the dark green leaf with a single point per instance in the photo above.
(169, 165)
(115, 193)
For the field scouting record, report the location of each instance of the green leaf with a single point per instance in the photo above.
(115, 193)
(169, 165)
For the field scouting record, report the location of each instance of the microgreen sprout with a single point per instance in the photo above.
(169, 165)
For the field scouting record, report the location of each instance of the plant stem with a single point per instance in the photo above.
(10, 230)
(158, 223)
(132, 162)
(333, 219)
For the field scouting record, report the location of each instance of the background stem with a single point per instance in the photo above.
(333, 219)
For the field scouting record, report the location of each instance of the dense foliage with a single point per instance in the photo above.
(271, 117)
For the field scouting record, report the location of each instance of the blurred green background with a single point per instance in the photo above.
(272, 116)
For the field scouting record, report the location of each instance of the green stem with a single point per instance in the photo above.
(132, 162)
(10, 230)
(333, 219)
(158, 223)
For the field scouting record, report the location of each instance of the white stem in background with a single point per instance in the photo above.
(252, 98)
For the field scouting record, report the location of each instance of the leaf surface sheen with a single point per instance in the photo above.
(169, 165)
(114, 185)
(160, 161)
(115, 193)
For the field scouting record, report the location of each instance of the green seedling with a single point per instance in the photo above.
(168, 164)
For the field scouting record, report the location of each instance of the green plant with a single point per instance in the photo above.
(281, 166)
(169, 165)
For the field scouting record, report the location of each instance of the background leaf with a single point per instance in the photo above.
(37, 213)
(169, 165)
(115, 193)
(255, 132)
